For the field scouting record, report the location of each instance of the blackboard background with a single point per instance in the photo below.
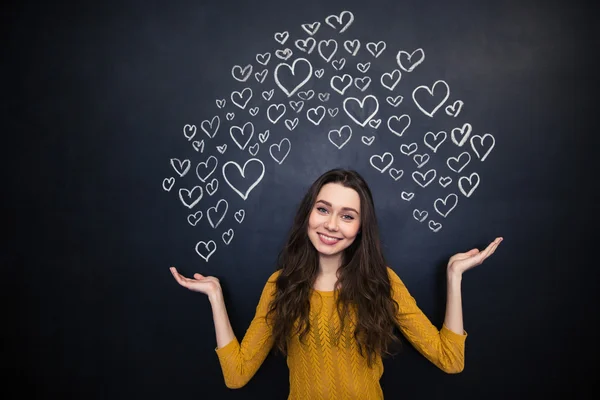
(95, 95)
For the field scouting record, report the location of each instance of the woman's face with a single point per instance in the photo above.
(335, 219)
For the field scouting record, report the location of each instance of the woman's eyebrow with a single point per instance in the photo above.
(343, 208)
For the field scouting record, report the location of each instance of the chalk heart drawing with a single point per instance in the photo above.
(339, 137)
(340, 22)
(420, 215)
(407, 61)
(251, 174)
(482, 145)
(301, 71)
(194, 218)
(382, 162)
(468, 184)
(217, 213)
(241, 73)
(434, 226)
(361, 111)
(181, 167)
(206, 249)
(205, 169)
(168, 183)
(446, 205)
(279, 151)
(189, 131)
(190, 198)
(431, 99)
(227, 236)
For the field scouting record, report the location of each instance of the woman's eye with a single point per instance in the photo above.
(349, 216)
(321, 209)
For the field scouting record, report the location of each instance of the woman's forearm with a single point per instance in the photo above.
(223, 329)
(454, 314)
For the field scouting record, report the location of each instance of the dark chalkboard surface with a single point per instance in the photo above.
(142, 135)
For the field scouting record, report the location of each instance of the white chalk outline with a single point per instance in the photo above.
(434, 226)
(311, 28)
(373, 48)
(423, 177)
(364, 78)
(291, 124)
(413, 65)
(481, 139)
(422, 215)
(264, 58)
(167, 183)
(340, 135)
(470, 180)
(306, 94)
(368, 140)
(296, 105)
(260, 76)
(352, 50)
(395, 117)
(466, 126)
(245, 72)
(446, 181)
(423, 159)
(435, 139)
(278, 146)
(222, 148)
(206, 246)
(264, 136)
(445, 203)
(430, 91)
(212, 130)
(396, 173)
(361, 103)
(319, 73)
(341, 62)
(452, 110)
(324, 97)
(189, 195)
(241, 171)
(187, 127)
(342, 79)
(390, 75)
(195, 218)
(374, 123)
(281, 37)
(407, 196)
(381, 158)
(277, 106)
(179, 168)
(215, 209)
(212, 186)
(339, 21)
(198, 145)
(457, 159)
(242, 132)
(363, 67)
(284, 54)
(408, 148)
(241, 95)
(253, 111)
(220, 103)
(302, 44)
(315, 110)
(333, 111)
(253, 150)
(394, 101)
(292, 68)
(239, 215)
(229, 116)
(326, 42)
(268, 94)
(205, 163)
(228, 233)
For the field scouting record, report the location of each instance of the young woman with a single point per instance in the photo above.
(333, 305)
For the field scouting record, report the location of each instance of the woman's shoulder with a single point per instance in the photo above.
(394, 278)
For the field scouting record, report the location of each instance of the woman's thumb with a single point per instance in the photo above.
(198, 276)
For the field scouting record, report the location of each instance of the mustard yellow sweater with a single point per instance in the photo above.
(322, 370)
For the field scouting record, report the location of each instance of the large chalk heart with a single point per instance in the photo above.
(301, 70)
(245, 178)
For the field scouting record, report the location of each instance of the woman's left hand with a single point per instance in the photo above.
(462, 262)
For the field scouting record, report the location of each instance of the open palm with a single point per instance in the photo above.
(462, 262)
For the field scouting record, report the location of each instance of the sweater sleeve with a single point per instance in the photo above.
(239, 362)
(444, 348)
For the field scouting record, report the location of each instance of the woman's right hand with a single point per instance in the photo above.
(208, 285)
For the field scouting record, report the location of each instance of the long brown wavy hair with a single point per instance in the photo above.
(363, 283)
